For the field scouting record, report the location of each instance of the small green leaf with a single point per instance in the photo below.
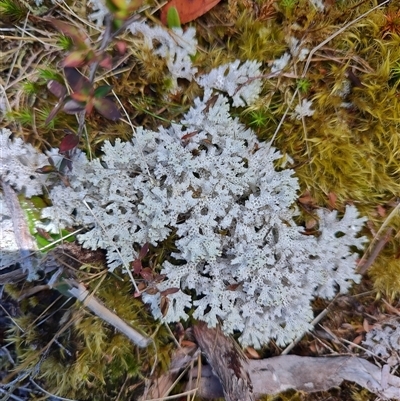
(63, 288)
(173, 20)
(102, 91)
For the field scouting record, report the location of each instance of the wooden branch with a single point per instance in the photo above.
(79, 291)
(228, 362)
(274, 375)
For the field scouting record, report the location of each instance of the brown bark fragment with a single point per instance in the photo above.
(227, 361)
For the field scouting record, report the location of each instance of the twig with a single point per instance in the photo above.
(362, 268)
(298, 338)
(80, 292)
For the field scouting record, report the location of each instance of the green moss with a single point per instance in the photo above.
(78, 355)
(13, 11)
(350, 148)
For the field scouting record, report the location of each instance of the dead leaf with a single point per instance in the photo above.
(310, 224)
(358, 339)
(251, 353)
(332, 198)
(307, 200)
(366, 326)
(381, 211)
(188, 10)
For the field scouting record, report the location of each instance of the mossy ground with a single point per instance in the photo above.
(348, 151)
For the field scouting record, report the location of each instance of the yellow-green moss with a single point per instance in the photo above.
(78, 355)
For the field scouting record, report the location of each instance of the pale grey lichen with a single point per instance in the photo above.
(19, 162)
(384, 340)
(175, 46)
(209, 180)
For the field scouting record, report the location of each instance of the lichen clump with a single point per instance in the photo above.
(209, 181)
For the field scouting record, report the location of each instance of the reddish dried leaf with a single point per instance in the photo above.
(252, 353)
(210, 103)
(169, 291)
(44, 234)
(70, 141)
(137, 266)
(159, 277)
(358, 339)
(144, 250)
(65, 180)
(189, 135)
(233, 287)
(381, 211)
(188, 10)
(56, 88)
(332, 198)
(106, 61)
(164, 305)
(306, 199)
(366, 326)
(107, 108)
(311, 223)
(152, 290)
(121, 47)
(147, 274)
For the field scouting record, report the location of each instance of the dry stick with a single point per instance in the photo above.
(80, 292)
(377, 238)
(298, 338)
(375, 252)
